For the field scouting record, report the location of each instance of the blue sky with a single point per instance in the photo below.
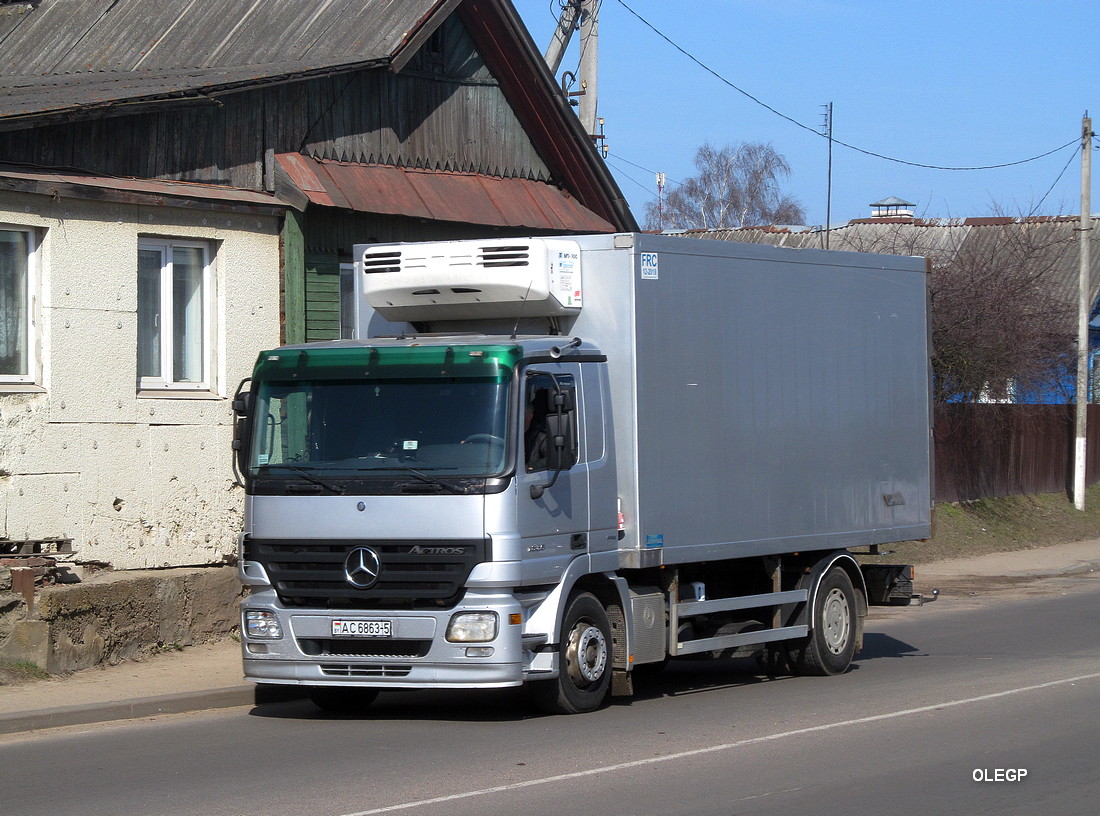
(938, 82)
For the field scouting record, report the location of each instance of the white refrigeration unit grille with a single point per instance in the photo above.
(455, 280)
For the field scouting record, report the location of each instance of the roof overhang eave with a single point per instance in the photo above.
(419, 34)
(147, 192)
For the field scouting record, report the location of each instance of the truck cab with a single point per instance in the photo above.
(416, 499)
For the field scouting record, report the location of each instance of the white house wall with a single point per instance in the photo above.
(135, 481)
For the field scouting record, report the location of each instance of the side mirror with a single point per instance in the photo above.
(564, 401)
(561, 448)
(242, 428)
(242, 403)
(561, 442)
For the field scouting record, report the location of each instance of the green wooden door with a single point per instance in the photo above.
(322, 301)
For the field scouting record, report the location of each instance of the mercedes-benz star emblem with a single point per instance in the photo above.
(361, 567)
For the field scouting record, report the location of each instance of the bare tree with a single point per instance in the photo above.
(1002, 324)
(736, 186)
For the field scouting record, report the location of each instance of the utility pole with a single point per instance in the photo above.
(661, 179)
(829, 177)
(582, 14)
(589, 67)
(562, 35)
(1084, 308)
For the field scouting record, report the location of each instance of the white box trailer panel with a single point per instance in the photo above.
(766, 400)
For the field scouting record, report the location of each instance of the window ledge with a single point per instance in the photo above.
(173, 393)
(21, 388)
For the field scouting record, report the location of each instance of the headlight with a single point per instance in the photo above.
(262, 624)
(472, 627)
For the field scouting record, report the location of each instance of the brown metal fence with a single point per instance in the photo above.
(1005, 450)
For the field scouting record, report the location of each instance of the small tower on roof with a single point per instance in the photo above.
(892, 207)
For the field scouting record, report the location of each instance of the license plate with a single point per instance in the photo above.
(362, 628)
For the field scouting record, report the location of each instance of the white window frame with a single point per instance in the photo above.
(166, 381)
(30, 339)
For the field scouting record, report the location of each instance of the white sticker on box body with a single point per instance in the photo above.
(565, 279)
(649, 265)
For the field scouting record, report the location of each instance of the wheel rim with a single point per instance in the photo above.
(836, 621)
(586, 655)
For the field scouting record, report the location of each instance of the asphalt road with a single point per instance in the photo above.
(966, 687)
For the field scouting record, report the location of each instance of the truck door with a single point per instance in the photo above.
(554, 526)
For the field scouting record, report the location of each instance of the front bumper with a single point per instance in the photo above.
(417, 655)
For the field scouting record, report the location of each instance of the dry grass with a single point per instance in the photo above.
(1001, 525)
(22, 671)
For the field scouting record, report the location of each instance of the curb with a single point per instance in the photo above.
(127, 710)
(1076, 568)
(181, 703)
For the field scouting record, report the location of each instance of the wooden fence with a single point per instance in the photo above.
(1005, 450)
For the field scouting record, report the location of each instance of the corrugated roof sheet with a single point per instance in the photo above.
(61, 53)
(444, 196)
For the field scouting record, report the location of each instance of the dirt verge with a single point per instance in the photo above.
(966, 529)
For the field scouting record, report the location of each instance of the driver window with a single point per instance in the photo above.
(537, 404)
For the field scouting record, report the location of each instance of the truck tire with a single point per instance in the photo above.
(832, 642)
(342, 699)
(584, 660)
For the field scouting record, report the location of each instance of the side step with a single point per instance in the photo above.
(731, 641)
(686, 609)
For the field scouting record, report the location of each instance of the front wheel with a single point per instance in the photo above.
(832, 644)
(584, 660)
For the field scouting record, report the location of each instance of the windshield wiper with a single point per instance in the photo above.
(308, 476)
(424, 477)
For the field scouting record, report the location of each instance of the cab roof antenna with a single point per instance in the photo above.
(519, 317)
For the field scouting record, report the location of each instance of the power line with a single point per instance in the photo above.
(1072, 156)
(626, 175)
(814, 131)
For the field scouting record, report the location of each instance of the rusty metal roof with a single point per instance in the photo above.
(58, 54)
(440, 195)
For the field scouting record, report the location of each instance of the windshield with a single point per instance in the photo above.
(446, 426)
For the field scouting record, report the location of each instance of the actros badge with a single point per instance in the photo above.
(361, 567)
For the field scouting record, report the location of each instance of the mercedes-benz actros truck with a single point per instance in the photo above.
(553, 461)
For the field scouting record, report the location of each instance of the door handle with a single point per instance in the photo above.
(578, 541)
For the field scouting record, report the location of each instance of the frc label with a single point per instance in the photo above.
(649, 265)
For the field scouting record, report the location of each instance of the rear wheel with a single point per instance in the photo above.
(584, 660)
(832, 644)
(342, 699)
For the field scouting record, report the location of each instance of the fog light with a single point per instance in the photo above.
(479, 651)
(262, 624)
(472, 627)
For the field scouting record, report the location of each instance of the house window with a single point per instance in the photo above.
(175, 314)
(16, 305)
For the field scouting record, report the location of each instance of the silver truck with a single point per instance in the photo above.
(552, 461)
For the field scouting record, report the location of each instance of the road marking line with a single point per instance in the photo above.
(638, 763)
